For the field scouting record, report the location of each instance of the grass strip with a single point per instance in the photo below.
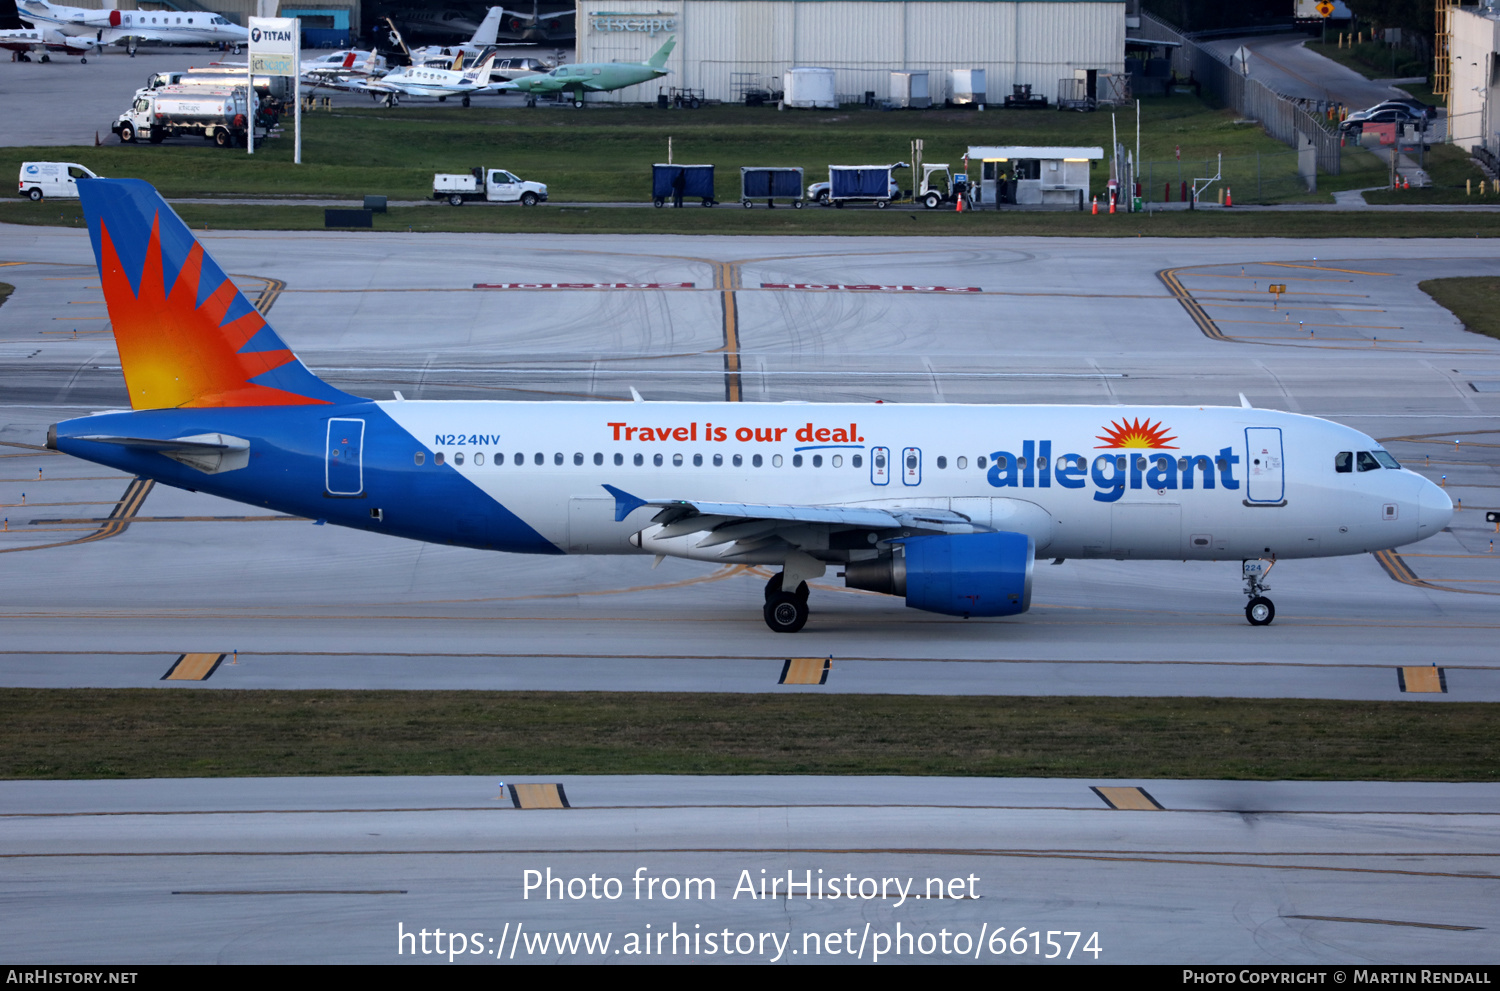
(731, 219)
(142, 733)
(1475, 300)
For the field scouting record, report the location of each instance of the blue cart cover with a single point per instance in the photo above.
(699, 178)
(768, 183)
(864, 181)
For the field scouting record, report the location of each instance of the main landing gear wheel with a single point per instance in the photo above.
(773, 588)
(578, 103)
(466, 101)
(786, 613)
(1260, 611)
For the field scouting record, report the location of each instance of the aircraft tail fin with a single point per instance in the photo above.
(659, 60)
(10, 16)
(489, 28)
(186, 335)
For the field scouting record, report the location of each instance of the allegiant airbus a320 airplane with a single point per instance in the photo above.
(946, 505)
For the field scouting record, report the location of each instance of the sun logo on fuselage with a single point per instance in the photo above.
(1136, 433)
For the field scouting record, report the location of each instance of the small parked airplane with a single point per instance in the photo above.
(946, 505)
(592, 77)
(421, 80)
(340, 66)
(25, 38)
(108, 26)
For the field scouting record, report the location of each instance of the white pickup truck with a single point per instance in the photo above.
(487, 185)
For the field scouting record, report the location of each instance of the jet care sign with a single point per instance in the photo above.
(274, 45)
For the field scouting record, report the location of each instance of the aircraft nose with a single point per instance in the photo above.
(1434, 509)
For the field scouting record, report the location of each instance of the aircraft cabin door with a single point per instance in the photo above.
(1266, 479)
(344, 473)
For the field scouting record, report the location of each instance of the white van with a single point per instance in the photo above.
(54, 179)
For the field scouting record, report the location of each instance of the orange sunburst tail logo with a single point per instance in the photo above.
(186, 335)
(1141, 433)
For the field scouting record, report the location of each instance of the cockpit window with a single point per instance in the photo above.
(1343, 461)
(1366, 461)
(1385, 459)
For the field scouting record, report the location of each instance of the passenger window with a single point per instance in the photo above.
(838, 460)
(557, 458)
(656, 460)
(942, 462)
(437, 458)
(619, 458)
(598, 458)
(980, 461)
(499, 457)
(755, 461)
(520, 459)
(639, 460)
(478, 457)
(578, 457)
(677, 461)
(419, 457)
(458, 458)
(1002, 463)
(539, 458)
(1366, 461)
(857, 461)
(718, 460)
(697, 461)
(817, 460)
(962, 463)
(796, 460)
(776, 460)
(1343, 462)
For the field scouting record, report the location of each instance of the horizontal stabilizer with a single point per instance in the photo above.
(208, 453)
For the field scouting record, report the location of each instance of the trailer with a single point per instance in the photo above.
(770, 184)
(862, 183)
(698, 183)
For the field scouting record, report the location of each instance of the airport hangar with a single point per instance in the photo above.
(726, 46)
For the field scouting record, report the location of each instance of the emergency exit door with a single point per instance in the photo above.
(1265, 476)
(344, 473)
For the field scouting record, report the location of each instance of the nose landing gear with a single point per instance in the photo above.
(1259, 610)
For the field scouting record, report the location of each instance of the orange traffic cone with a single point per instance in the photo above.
(1405, 182)
(960, 207)
(1096, 206)
(1111, 204)
(1228, 196)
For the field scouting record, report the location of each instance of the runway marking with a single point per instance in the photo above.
(866, 287)
(1324, 268)
(84, 520)
(1127, 799)
(582, 285)
(698, 658)
(727, 280)
(1346, 326)
(1194, 308)
(193, 667)
(1263, 278)
(850, 851)
(805, 671)
(270, 291)
(115, 524)
(301, 891)
(1384, 922)
(539, 796)
(1400, 571)
(1420, 679)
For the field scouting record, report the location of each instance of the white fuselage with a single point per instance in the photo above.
(1191, 483)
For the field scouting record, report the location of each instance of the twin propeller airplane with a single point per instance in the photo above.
(945, 505)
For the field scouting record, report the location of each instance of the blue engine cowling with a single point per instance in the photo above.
(970, 574)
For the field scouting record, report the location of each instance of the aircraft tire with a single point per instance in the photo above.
(773, 588)
(35, 195)
(785, 613)
(578, 103)
(83, 61)
(1260, 611)
(46, 58)
(442, 99)
(466, 100)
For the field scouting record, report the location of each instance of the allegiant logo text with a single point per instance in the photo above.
(1112, 473)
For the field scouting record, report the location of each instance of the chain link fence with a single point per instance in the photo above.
(1283, 119)
(1250, 178)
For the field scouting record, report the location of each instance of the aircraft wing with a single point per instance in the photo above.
(749, 527)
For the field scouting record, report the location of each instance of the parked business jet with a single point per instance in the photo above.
(946, 505)
(107, 26)
(422, 80)
(592, 77)
(25, 38)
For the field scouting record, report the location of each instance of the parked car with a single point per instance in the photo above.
(1384, 113)
(1407, 103)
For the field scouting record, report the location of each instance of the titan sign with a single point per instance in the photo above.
(651, 24)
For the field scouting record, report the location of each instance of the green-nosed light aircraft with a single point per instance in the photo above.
(597, 77)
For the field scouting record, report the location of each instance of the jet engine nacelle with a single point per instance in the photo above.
(963, 574)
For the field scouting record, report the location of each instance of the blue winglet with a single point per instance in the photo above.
(625, 503)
